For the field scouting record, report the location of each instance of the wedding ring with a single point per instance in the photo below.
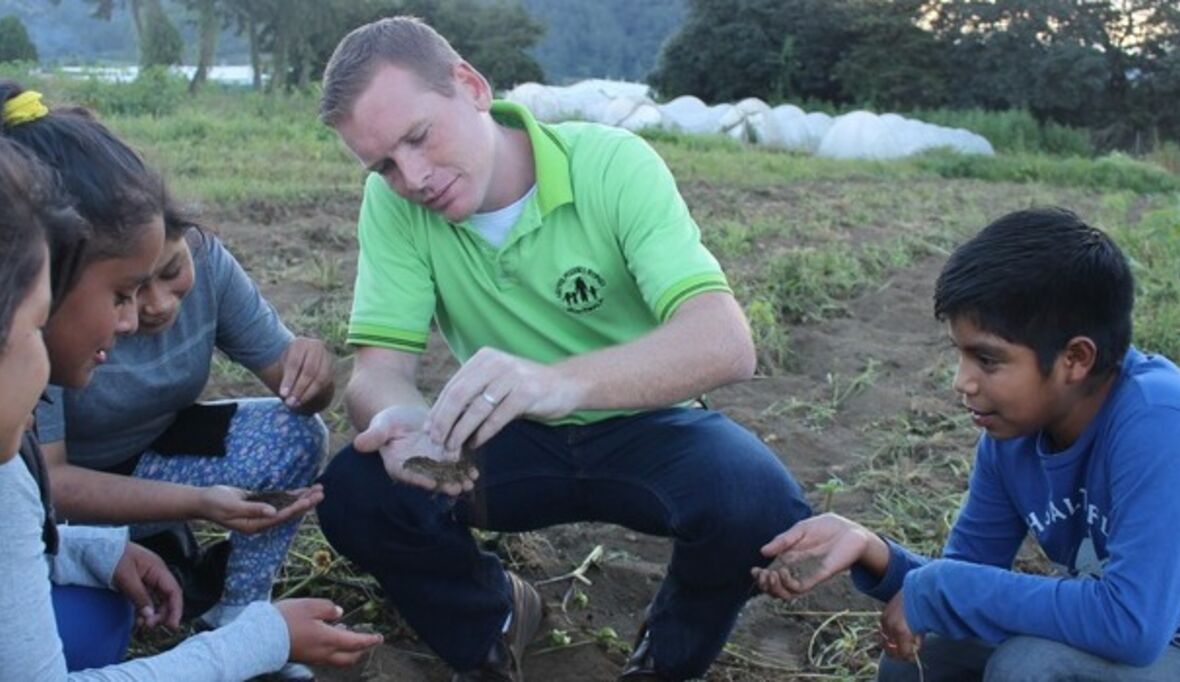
(489, 399)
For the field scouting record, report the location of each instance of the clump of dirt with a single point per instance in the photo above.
(279, 499)
(443, 473)
(802, 570)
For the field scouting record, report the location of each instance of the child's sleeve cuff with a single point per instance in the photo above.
(901, 562)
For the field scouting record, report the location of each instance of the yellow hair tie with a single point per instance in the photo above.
(23, 108)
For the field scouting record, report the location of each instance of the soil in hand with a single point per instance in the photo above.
(443, 473)
(279, 499)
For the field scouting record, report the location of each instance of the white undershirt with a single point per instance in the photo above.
(495, 225)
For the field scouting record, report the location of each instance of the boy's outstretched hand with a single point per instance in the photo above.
(816, 549)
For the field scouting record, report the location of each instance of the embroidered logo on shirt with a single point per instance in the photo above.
(580, 290)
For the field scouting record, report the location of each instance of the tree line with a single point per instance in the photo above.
(290, 41)
(1110, 66)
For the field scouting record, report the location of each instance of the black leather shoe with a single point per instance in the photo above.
(503, 661)
(641, 664)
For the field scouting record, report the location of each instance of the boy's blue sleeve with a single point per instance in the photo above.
(1129, 614)
(901, 562)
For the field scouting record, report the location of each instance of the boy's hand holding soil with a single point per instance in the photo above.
(816, 549)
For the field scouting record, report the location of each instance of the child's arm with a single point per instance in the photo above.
(1129, 614)
(988, 531)
(816, 549)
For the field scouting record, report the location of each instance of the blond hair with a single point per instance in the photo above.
(402, 41)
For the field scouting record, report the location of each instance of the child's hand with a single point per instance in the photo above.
(812, 551)
(308, 368)
(314, 640)
(142, 577)
(232, 508)
(896, 638)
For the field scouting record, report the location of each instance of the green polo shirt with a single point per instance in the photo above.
(602, 254)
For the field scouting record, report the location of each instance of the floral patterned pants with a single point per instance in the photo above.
(267, 447)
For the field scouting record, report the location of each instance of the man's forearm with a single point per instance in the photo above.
(370, 392)
(705, 345)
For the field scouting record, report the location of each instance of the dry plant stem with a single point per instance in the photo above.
(308, 579)
(563, 647)
(578, 573)
(817, 614)
(758, 661)
(575, 576)
(815, 635)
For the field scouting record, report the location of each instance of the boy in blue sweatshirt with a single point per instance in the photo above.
(1080, 447)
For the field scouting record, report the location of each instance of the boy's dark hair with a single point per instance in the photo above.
(108, 183)
(1039, 278)
(30, 206)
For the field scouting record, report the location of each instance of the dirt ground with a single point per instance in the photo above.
(304, 259)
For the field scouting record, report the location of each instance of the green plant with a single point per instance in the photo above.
(560, 638)
(771, 338)
(828, 489)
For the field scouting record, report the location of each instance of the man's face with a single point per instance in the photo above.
(1002, 385)
(435, 150)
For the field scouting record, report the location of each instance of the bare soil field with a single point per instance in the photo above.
(859, 407)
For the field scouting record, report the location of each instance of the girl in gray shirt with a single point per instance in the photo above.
(94, 271)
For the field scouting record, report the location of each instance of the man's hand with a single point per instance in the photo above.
(143, 578)
(397, 433)
(812, 551)
(896, 638)
(227, 507)
(314, 640)
(307, 371)
(489, 391)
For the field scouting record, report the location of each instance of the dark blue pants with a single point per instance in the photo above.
(94, 625)
(689, 474)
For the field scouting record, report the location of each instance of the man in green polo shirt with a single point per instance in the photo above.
(565, 272)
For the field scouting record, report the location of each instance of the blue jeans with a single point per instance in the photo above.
(692, 475)
(94, 625)
(1021, 659)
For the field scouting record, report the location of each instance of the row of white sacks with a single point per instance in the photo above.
(857, 135)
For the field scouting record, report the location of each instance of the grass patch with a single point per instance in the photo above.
(1013, 132)
(1114, 172)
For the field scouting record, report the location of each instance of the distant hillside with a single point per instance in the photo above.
(602, 38)
(583, 39)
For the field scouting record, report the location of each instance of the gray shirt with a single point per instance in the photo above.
(30, 648)
(147, 379)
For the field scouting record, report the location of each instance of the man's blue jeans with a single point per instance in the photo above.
(1020, 659)
(692, 475)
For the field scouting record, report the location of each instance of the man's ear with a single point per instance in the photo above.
(1078, 358)
(473, 84)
